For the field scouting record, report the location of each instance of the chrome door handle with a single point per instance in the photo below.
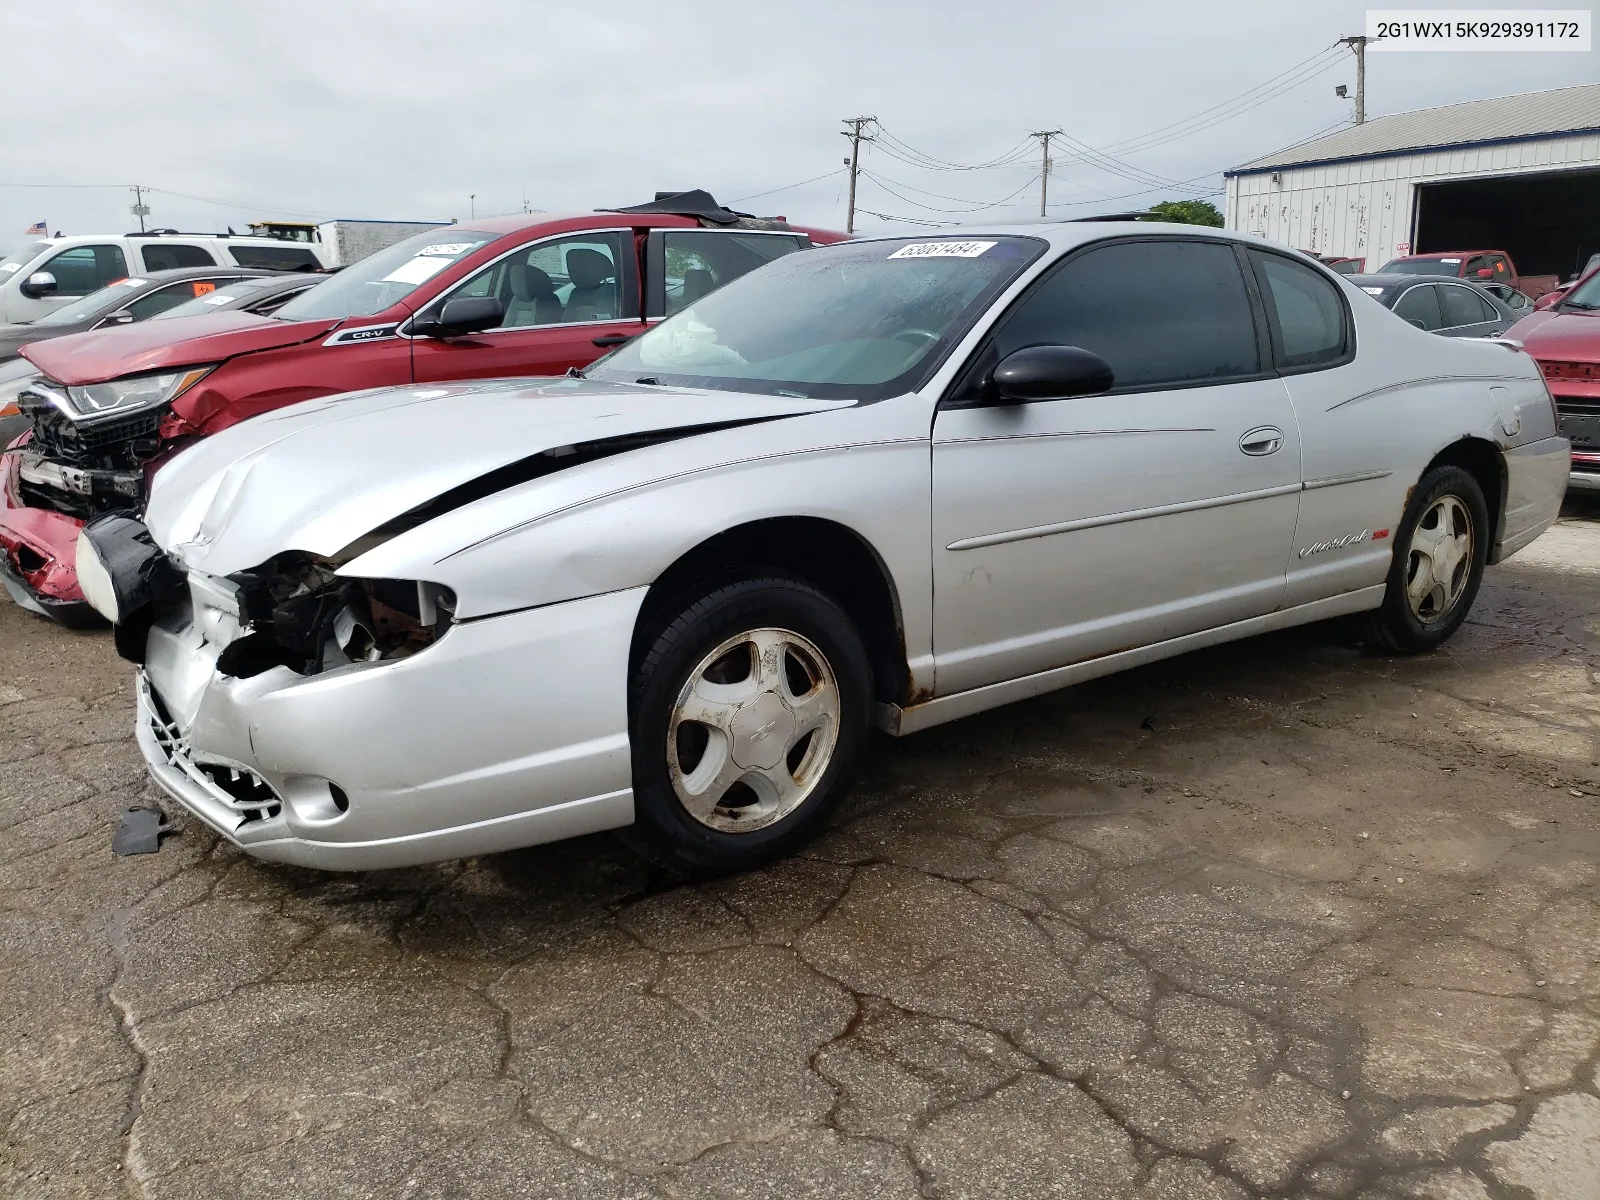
(1267, 439)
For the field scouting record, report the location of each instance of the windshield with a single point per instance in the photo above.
(1585, 297)
(210, 301)
(1448, 267)
(81, 310)
(382, 280)
(858, 319)
(17, 259)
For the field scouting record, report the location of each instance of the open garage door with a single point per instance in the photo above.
(1548, 222)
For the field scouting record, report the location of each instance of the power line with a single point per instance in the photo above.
(788, 187)
(950, 211)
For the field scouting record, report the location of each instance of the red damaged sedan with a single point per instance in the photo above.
(1565, 341)
(524, 295)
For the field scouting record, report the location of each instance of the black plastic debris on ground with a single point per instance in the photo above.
(140, 831)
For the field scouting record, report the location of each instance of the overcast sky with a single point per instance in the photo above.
(403, 109)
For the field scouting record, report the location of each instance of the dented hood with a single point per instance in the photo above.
(103, 354)
(319, 475)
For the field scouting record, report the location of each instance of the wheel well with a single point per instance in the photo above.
(834, 559)
(1482, 461)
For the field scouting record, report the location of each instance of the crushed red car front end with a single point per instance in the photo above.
(38, 550)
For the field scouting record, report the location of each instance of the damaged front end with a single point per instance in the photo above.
(88, 450)
(294, 611)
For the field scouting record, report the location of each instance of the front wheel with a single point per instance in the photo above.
(749, 709)
(1439, 554)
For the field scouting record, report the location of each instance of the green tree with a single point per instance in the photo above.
(1189, 212)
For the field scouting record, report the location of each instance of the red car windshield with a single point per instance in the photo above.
(1585, 297)
(382, 280)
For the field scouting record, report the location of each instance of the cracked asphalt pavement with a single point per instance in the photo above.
(1285, 918)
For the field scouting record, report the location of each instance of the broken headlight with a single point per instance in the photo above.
(131, 394)
(300, 614)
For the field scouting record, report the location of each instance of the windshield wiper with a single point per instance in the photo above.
(1578, 304)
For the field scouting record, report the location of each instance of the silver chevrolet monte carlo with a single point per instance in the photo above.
(889, 482)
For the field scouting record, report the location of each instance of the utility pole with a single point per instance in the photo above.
(857, 134)
(472, 206)
(1044, 136)
(1359, 45)
(140, 209)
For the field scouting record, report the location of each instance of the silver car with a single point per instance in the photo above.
(890, 482)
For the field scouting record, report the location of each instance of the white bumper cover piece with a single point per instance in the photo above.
(510, 731)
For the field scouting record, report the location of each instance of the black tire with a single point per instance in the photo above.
(1396, 626)
(664, 829)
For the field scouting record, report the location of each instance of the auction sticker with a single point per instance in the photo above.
(943, 250)
(1479, 29)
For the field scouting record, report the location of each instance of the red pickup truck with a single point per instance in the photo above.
(1480, 266)
(522, 295)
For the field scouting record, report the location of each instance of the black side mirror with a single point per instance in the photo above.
(38, 285)
(1048, 373)
(463, 315)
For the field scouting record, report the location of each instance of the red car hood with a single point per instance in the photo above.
(103, 354)
(1556, 336)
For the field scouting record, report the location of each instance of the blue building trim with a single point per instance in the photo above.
(1451, 146)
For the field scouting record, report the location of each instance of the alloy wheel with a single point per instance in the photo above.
(753, 730)
(1439, 562)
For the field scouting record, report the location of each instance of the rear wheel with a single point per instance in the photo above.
(749, 709)
(1439, 554)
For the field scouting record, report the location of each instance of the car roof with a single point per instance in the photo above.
(1064, 233)
(177, 274)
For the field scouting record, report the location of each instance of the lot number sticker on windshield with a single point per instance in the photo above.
(417, 270)
(942, 250)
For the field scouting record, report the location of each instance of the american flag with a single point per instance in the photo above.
(35, 230)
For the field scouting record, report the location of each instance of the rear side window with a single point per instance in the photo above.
(168, 256)
(686, 264)
(1304, 311)
(1162, 313)
(1462, 306)
(1420, 306)
(274, 258)
(160, 300)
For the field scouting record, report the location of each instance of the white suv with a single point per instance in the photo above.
(43, 275)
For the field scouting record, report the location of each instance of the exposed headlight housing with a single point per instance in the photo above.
(133, 393)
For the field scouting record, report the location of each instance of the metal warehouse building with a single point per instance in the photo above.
(1518, 173)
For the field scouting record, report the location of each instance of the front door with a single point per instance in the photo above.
(567, 300)
(1069, 529)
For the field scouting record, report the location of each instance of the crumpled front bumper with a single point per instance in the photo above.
(509, 731)
(38, 554)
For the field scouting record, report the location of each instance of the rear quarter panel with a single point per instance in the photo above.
(1407, 395)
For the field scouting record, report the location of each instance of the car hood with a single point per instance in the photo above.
(324, 475)
(1573, 336)
(102, 354)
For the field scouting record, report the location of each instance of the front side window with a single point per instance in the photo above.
(858, 320)
(565, 281)
(170, 256)
(1162, 313)
(695, 262)
(104, 300)
(382, 280)
(1420, 306)
(84, 269)
(1304, 311)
